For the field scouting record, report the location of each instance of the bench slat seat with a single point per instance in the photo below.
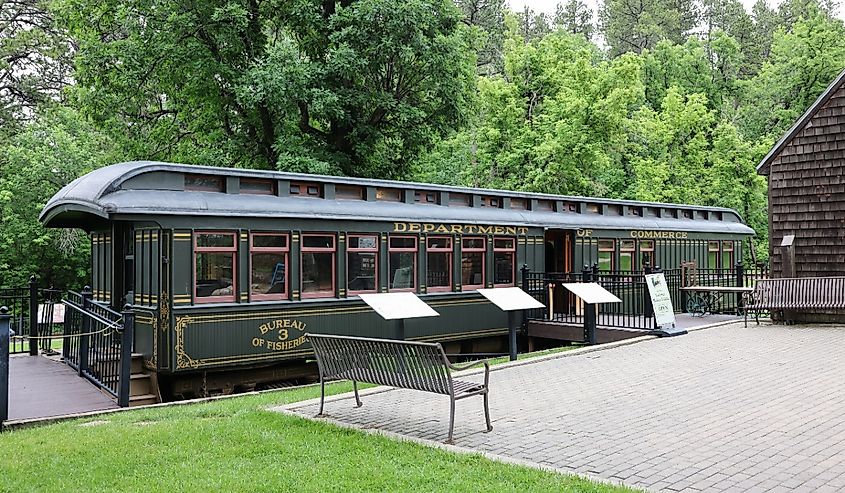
(796, 293)
(410, 365)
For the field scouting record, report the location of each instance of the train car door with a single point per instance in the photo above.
(559, 253)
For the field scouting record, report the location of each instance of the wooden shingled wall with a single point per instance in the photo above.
(807, 194)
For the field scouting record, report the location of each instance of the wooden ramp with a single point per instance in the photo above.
(574, 331)
(40, 387)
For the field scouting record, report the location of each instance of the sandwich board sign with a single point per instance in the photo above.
(661, 301)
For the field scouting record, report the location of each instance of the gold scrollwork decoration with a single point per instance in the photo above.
(182, 358)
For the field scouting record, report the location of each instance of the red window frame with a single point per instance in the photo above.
(374, 249)
(332, 250)
(483, 251)
(512, 250)
(283, 250)
(391, 249)
(233, 250)
(449, 251)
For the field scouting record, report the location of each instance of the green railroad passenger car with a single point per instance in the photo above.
(229, 268)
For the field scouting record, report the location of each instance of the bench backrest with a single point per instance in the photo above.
(413, 365)
(801, 292)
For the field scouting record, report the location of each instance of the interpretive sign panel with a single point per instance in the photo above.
(509, 299)
(396, 306)
(591, 292)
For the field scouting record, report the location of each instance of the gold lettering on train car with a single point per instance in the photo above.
(657, 235)
(284, 342)
(457, 229)
(584, 232)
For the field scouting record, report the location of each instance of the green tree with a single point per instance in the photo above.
(488, 18)
(575, 17)
(50, 152)
(354, 87)
(803, 62)
(34, 61)
(635, 25)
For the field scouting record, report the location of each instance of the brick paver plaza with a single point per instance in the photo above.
(726, 408)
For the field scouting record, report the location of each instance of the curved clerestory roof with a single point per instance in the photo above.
(121, 190)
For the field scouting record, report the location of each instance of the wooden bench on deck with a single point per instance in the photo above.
(410, 365)
(796, 293)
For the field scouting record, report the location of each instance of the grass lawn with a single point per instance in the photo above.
(237, 445)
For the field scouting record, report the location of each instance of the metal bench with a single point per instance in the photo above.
(410, 365)
(796, 293)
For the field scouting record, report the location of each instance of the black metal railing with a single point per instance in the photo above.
(98, 343)
(563, 306)
(737, 276)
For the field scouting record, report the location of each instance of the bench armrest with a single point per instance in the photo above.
(467, 366)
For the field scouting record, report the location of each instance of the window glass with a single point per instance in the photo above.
(503, 261)
(403, 242)
(318, 241)
(647, 252)
(269, 241)
(318, 266)
(626, 255)
(389, 194)
(349, 192)
(214, 262)
(439, 253)
(605, 256)
(402, 262)
(519, 204)
(215, 240)
(362, 255)
(317, 273)
(727, 255)
(503, 243)
(269, 274)
(460, 199)
(472, 262)
(258, 187)
(204, 183)
(712, 254)
(268, 266)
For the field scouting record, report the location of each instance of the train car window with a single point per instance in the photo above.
(504, 250)
(634, 211)
(727, 254)
(687, 214)
(389, 194)
(712, 254)
(268, 264)
(627, 249)
(318, 266)
(594, 208)
(214, 267)
(647, 253)
(425, 198)
(258, 187)
(439, 254)
(402, 263)
(473, 251)
(460, 200)
(614, 210)
(519, 204)
(204, 183)
(545, 205)
(569, 207)
(487, 201)
(305, 189)
(605, 259)
(349, 192)
(362, 264)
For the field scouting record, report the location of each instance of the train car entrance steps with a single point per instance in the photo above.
(143, 386)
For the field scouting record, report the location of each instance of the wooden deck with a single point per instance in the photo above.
(40, 387)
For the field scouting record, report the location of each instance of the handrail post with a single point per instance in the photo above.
(589, 309)
(126, 339)
(5, 320)
(740, 282)
(86, 329)
(648, 308)
(33, 316)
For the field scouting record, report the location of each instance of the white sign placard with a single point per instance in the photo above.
(664, 314)
(591, 292)
(395, 306)
(509, 299)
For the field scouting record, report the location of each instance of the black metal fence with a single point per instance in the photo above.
(563, 306)
(634, 312)
(98, 343)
